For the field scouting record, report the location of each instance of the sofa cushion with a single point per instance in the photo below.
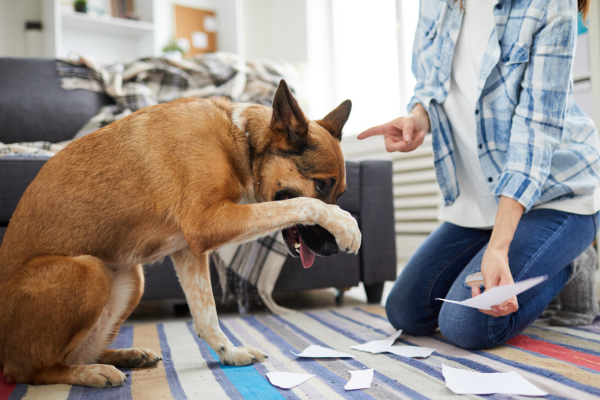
(34, 107)
(16, 173)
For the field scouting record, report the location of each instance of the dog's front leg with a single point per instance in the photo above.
(194, 275)
(231, 223)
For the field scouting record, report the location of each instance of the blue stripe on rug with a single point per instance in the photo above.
(19, 392)
(260, 368)
(567, 334)
(172, 379)
(124, 340)
(381, 331)
(214, 366)
(246, 380)
(381, 317)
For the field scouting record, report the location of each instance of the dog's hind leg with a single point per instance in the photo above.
(194, 275)
(52, 310)
(127, 290)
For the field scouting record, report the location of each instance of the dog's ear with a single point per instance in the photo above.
(335, 120)
(288, 119)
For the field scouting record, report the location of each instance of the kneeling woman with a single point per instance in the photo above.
(516, 160)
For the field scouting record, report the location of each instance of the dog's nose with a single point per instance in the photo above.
(318, 240)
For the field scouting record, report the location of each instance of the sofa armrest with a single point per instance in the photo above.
(378, 249)
(16, 173)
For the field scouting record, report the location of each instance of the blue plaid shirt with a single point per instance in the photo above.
(535, 145)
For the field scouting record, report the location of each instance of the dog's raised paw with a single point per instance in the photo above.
(344, 227)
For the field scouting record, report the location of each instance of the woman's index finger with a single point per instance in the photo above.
(374, 131)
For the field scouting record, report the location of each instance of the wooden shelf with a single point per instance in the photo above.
(106, 25)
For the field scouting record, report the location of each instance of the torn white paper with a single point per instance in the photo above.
(498, 294)
(385, 346)
(314, 351)
(378, 346)
(468, 382)
(411, 351)
(287, 380)
(360, 380)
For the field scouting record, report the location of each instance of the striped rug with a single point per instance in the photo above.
(562, 361)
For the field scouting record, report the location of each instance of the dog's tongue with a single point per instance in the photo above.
(307, 256)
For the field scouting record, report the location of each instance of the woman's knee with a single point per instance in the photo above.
(466, 327)
(408, 316)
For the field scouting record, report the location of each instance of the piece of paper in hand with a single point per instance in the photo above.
(287, 380)
(468, 382)
(314, 351)
(386, 346)
(498, 294)
(360, 380)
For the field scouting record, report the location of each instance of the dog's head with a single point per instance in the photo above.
(306, 161)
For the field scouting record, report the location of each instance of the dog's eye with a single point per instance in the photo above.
(319, 185)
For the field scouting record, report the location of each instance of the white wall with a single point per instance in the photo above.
(231, 31)
(319, 82)
(276, 29)
(13, 14)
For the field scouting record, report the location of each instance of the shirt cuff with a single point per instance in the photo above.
(519, 187)
(413, 102)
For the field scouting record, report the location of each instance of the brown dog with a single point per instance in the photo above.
(178, 179)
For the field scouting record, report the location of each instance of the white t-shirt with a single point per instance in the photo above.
(476, 206)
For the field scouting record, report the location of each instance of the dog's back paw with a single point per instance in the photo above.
(95, 375)
(130, 358)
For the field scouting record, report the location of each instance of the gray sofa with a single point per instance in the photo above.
(33, 107)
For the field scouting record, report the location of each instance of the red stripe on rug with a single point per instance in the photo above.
(555, 351)
(5, 388)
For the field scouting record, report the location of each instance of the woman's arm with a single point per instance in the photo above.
(494, 266)
(539, 116)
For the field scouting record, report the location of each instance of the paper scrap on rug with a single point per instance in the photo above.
(386, 346)
(314, 351)
(360, 380)
(287, 380)
(461, 381)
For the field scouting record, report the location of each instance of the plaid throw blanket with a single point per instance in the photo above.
(248, 272)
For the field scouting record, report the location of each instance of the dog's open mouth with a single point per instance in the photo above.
(297, 247)
(307, 241)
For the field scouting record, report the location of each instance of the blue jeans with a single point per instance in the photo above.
(545, 243)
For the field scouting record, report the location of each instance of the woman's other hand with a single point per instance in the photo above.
(402, 134)
(494, 265)
(496, 272)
